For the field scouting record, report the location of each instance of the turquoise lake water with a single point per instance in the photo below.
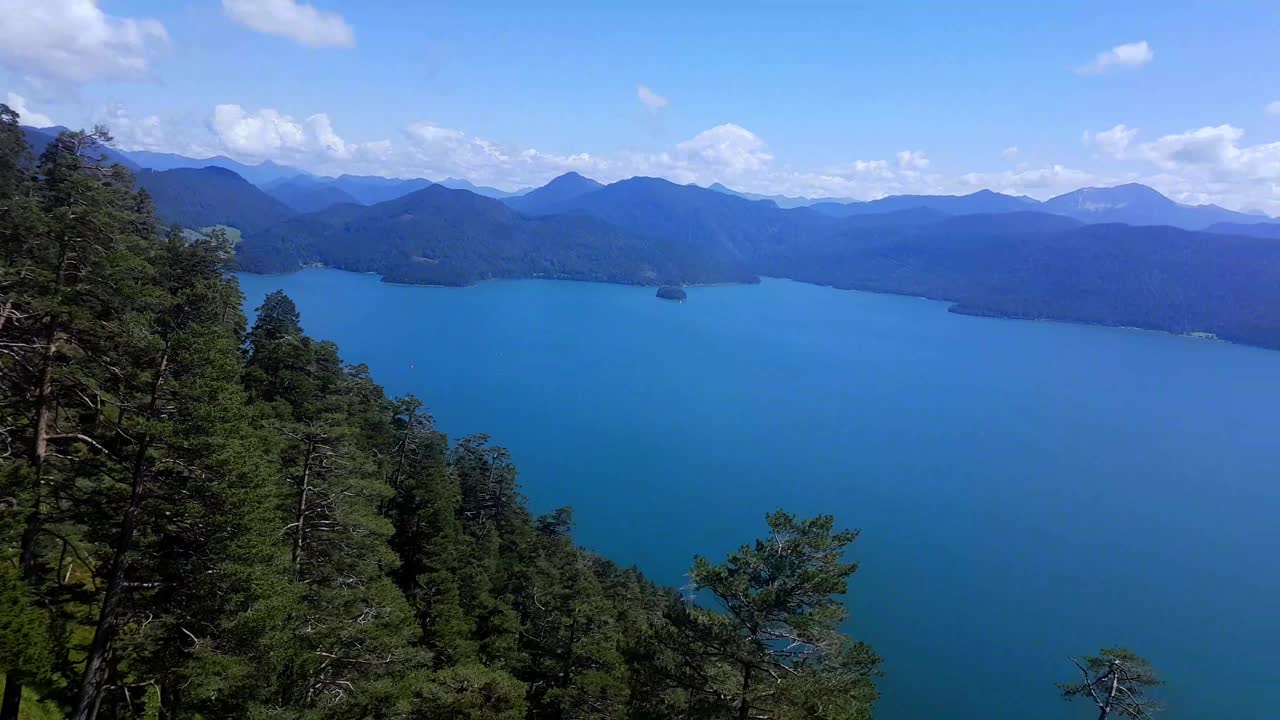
(1026, 491)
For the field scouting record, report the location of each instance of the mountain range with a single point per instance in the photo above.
(441, 236)
(1125, 255)
(261, 174)
(1023, 264)
(782, 201)
(1131, 204)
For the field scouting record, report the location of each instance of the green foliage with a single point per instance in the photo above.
(24, 628)
(429, 538)
(777, 648)
(233, 234)
(469, 692)
(1116, 681)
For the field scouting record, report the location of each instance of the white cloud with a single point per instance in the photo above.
(436, 152)
(61, 44)
(650, 99)
(730, 148)
(1215, 153)
(130, 133)
(26, 115)
(1010, 153)
(1211, 164)
(912, 160)
(304, 24)
(268, 134)
(724, 153)
(865, 168)
(1121, 57)
(1273, 107)
(1113, 142)
(264, 133)
(1039, 182)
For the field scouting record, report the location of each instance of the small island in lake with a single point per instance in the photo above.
(671, 292)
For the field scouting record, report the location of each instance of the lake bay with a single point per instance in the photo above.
(1026, 491)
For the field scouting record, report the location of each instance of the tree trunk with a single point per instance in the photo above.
(12, 696)
(744, 703)
(404, 450)
(12, 702)
(95, 663)
(302, 508)
(566, 667)
(95, 666)
(1105, 710)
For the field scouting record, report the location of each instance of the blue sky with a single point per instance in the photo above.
(840, 99)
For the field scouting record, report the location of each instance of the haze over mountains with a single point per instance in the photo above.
(1124, 255)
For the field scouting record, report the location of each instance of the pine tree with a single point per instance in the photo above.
(775, 649)
(219, 582)
(500, 538)
(172, 468)
(73, 266)
(354, 630)
(1116, 681)
(429, 537)
(575, 667)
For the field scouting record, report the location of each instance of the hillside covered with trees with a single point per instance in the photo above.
(440, 236)
(200, 197)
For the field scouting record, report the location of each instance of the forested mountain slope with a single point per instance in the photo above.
(454, 237)
(304, 195)
(1251, 229)
(983, 201)
(1038, 266)
(561, 189)
(201, 197)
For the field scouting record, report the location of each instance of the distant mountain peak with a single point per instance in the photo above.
(1101, 198)
(570, 178)
(217, 170)
(560, 189)
(1137, 204)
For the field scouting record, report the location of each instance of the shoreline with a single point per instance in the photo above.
(953, 307)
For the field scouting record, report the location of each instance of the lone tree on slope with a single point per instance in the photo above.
(1116, 681)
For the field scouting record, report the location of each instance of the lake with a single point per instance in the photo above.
(1026, 491)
